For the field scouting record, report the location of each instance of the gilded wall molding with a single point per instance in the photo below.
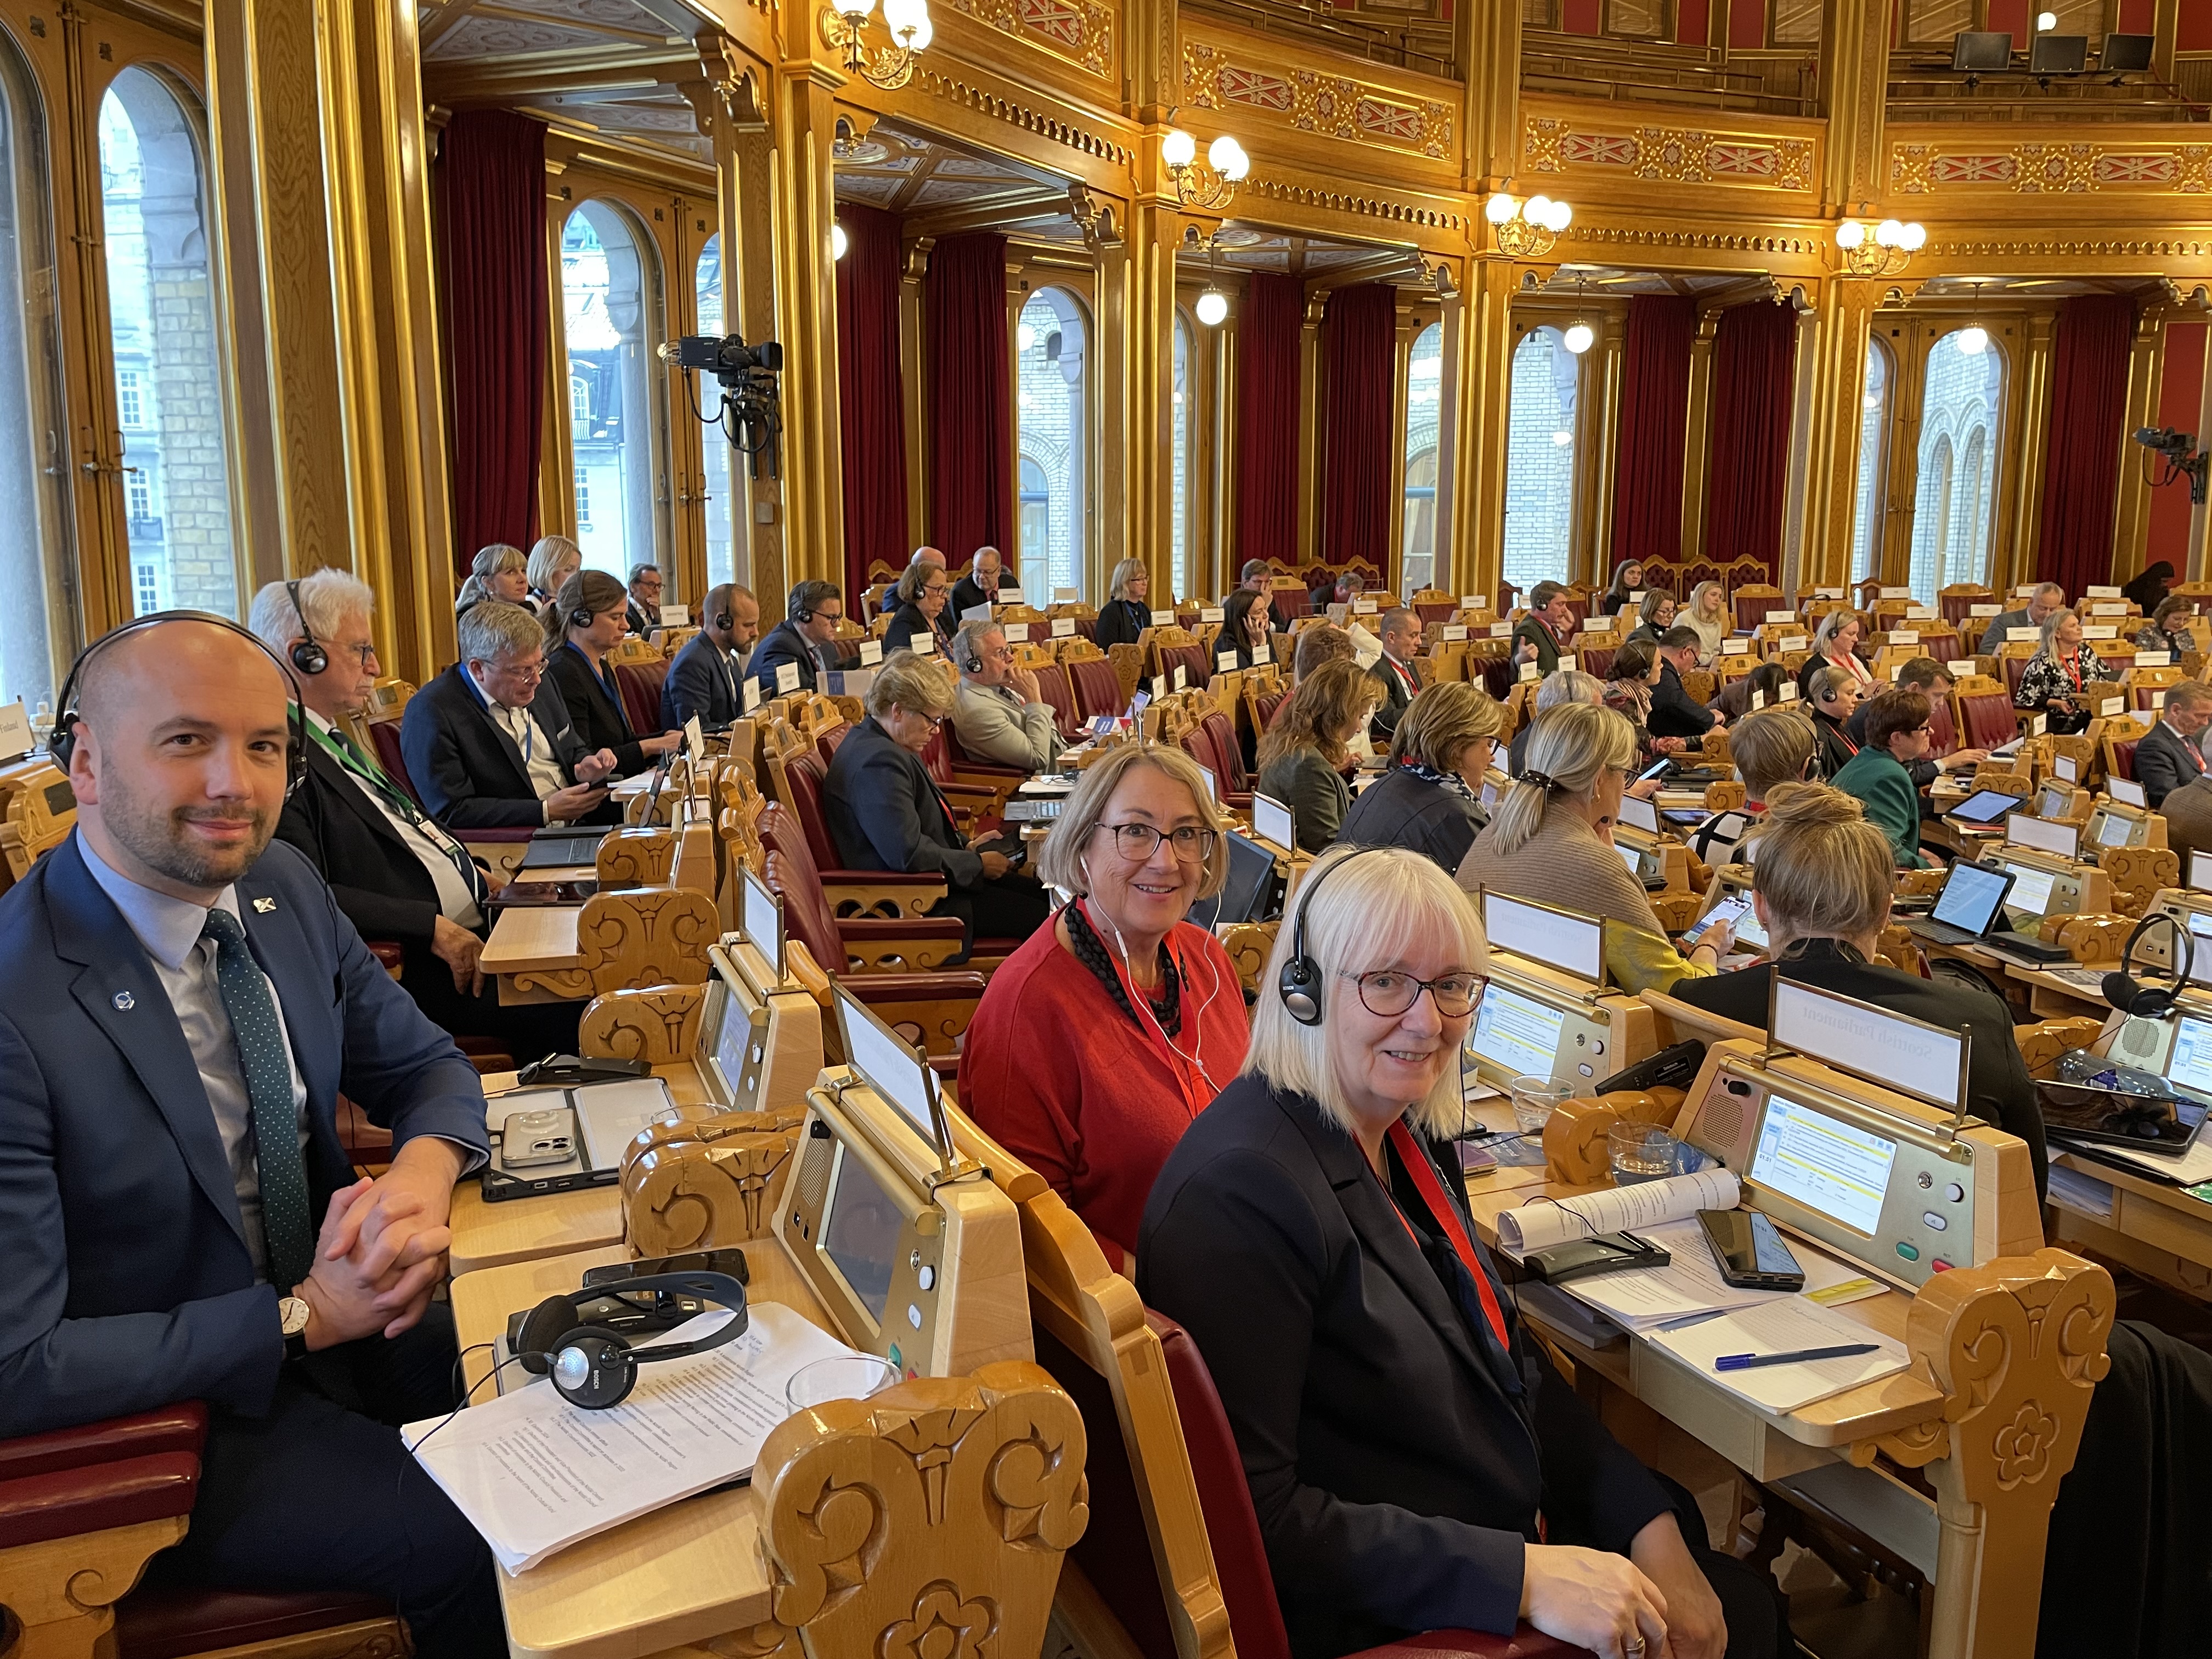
(1224, 75)
(1403, 213)
(2054, 164)
(1078, 32)
(2068, 249)
(1564, 143)
(1624, 235)
(999, 107)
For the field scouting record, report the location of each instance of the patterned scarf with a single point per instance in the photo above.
(1450, 783)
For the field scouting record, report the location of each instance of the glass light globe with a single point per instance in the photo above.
(1538, 210)
(1178, 149)
(1562, 217)
(1889, 233)
(856, 12)
(1579, 339)
(1974, 341)
(1025, 336)
(900, 16)
(2045, 21)
(1213, 307)
(837, 243)
(1916, 237)
(1500, 208)
(1850, 233)
(924, 33)
(1227, 157)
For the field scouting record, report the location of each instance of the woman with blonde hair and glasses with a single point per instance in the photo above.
(1303, 755)
(1127, 611)
(1550, 840)
(1102, 1038)
(1428, 798)
(1399, 1428)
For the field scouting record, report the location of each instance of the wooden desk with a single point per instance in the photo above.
(2048, 996)
(532, 939)
(2158, 1231)
(684, 1574)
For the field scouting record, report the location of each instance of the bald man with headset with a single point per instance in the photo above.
(704, 680)
(181, 1002)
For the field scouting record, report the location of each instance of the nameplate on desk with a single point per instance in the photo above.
(1501, 631)
(675, 615)
(2102, 631)
(2200, 872)
(1065, 596)
(1735, 647)
(1782, 615)
(871, 652)
(1262, 652)
(2112, 609)
(1363, 607)
(1557, 939)
(1225, 661)
(2023, 635)
(2128, 793)
(1891, 1050)
(1789, 691)
(1470, 601)
(922, 645)
(1528, 672)
(2101, 592)
(2066, 768)
(1180, 673)
(1893, 593)
(1010, 593)
(2158, 698)
(695, 741)
(1213, 788)
(1063, 628)
(1016, 633)
(1828, 592)
(1985, 611)
(1896, 673)
(1163, 619)
(15, 739)
(1212, 613)
(2108, 707)
(2153, 658)
(1273, 823)
(976, 613)
(2042, 834)
(1919, 613)
(1794, 642)
(2025, 590)
(1904, 636)
(786, 679)
(751, 695)
(1454, 632)
(1757, 700)
(2037, 726)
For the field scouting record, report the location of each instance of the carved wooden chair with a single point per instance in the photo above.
(1982, 711)
(796, 782)
(38, 810)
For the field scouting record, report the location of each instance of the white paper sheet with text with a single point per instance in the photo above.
(1620, 1209)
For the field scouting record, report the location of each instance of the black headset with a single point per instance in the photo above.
(1299, 984)
(309, 658)
(583, 617)
(594, 1367)
(63, 745)
(2137, 997)
(973, 662)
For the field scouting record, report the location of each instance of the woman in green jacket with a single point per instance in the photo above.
(1896, 735)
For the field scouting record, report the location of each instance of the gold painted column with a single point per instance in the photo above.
(2146, 375)
(1697, 435)
(1854, 169)
(1313, 400)
(1597, 441)
(804, 208)
(1482, 359)
(1838, 363)
(913, 387)
(2032, 446)
(319, 161)
(1137, 283)
(1488, 50)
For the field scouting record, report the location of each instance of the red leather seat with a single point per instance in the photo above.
(1270, 704)
(2016, 669)
(1058, 693)
(1943, 648)
(826, 742)
(804, 775)
(1213, 744)
(1598, 661)
(792, 874)
(1197, 667)
(1097, 688)
(1942, 730)
(2123, 757)
(1957, 609)
(1580, 610)
(158, 1624)
(640, 685)
(1436, 610)
(1990, 722)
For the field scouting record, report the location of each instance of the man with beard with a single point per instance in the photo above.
(180, 1004)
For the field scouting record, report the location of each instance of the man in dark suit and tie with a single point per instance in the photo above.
(703, 678)
(643, 613)
(1674, 712)
(980, 586)
(815, 609)
(2169, 754)
(184, 1003)
(1400, 630)
(398, 873)
(488, 743)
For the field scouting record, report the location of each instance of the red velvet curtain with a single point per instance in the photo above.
(1755, 361)
(1655, 409)
(971, 400)
(2081, 466)
(1267, 418)
(871, 404)
(492, 219)
(1359, 345)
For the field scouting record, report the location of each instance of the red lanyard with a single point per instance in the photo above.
(2074, 668)
(1180, 1066)
(1447, 1217)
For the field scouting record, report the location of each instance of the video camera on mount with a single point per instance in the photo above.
(749, 416)
(2183, 458)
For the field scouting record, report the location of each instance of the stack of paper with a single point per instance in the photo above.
(1690, 1285)
(535, 1474)
(1782, 1326)
(1623, 1209)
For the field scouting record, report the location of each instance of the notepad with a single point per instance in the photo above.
(1783, 1328)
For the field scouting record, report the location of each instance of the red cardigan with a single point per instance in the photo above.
(1064, 1080)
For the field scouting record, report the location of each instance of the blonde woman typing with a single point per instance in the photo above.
(1550, 840)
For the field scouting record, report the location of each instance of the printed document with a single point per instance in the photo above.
(1622, 1209)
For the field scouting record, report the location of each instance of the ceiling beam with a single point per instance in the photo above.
(1005, 213)
(462, 82)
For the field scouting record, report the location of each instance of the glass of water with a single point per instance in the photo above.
(1641, 1152)
(1534, 1100)
(840, 1377)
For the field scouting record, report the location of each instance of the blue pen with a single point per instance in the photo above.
(1744, 1361)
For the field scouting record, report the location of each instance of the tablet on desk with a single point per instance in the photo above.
(1985, 806)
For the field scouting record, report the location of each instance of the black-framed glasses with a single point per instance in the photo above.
(1387, 992)
(1136, 842)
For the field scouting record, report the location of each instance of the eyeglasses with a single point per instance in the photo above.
(1387, 992)
(522, 670)
(934, 588)
(1136, 842)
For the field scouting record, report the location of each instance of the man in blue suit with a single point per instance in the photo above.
(180, 1004)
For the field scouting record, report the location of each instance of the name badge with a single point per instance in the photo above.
(1261, 653)
(1065, 596)
(1454, 632)
(1009, 593)
(1063, 628)
(1828, 592)
(1470, 601)
(1163, 619)
(1225, 661)
(786, 679)
(1920, 613)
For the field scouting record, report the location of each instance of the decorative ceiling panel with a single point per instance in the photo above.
(502, 37)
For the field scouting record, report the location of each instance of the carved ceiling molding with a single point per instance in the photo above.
(1677, 155)
(1308, 101)
(1586, 231)
(1001, 108)
(1077, 31)
(1402, 213)
(2060, 169)
(2070, 250)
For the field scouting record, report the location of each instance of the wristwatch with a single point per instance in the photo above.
(295, 1313)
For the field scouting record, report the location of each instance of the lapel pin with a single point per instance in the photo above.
(263, 907)
(124, 1001)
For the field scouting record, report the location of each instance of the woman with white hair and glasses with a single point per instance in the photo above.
(1102, 1038)
(1415, 1460)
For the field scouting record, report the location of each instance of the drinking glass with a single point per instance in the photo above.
(840, 1377)
(1534, 1100)
(1641, 1152)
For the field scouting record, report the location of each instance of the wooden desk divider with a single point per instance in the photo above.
(38, 810)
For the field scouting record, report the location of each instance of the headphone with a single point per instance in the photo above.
(63, 744)
(583, 617)
(1299, 984)
(973, 662)
(2137, 997)
(725, 621)
(596, 1368)
(309, 658)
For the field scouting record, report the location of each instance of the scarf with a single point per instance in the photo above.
(1631, 697)
(1450, 783)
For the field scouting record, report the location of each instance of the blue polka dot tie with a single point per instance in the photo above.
(268, 1071)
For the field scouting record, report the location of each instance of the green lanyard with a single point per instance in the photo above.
(341, 750)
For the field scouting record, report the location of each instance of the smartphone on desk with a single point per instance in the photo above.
(1749, 1249)
(1732, 910)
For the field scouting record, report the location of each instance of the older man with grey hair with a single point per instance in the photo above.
(2048, 597)
(488, 743)
(997, 712)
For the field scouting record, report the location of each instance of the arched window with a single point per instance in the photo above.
(721, 472)
(1179, 483)
(1052, 434)
(1871, 502)
(160, 308)
(1035, 498)
(1959, 415)
(609, 286)
(1539, 460)
(1424, 368)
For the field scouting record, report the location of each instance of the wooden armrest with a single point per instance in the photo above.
(391, 955)
(497, 834)
(97, 1497)
(907, 945)
(891, 894)
(657, 1025)
(178, 1428)
(878, 990)
(863, 927)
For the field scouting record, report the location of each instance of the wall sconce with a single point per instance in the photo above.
(837, 242)
(844, 29)
(1208, 186)
(1884, 252)
(1527, 230)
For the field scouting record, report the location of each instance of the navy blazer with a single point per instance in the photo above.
(908, 620)
(1396, 1473)
(595, 708)
(2165, 760)
(129, 1283)
(702, 681)
(1674, 712)
(465, 766)
(886, 814)
(781, 644)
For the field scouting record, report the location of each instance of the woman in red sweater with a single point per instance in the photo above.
(1102, 1038)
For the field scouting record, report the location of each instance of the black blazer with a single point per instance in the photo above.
(781, 644)
(1120, 621)
(908, 620)
(1999, 1088)
(639, 622)
(1836, 745)
(966, 594)
(702, 681)
(1674, 712)
(595, 708)
(1401, 810)
(384, 889)
(2165, 761)
(467, 770)
(885, 813)
(1396, 693)
(1397, 1461)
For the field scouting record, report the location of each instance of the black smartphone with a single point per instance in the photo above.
(1750, 1251)
(1657, 769)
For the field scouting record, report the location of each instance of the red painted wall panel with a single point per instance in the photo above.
(1581, 16)
(2180, 404)
(1747, 24)
(2138, 16)
(1691, 18)
(2194, 34)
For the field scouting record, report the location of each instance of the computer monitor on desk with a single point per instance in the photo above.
(1545, 1011)
(759, 1046)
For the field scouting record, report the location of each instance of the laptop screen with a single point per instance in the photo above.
(1971, 897)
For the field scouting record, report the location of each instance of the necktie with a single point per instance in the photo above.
(268, 1071)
